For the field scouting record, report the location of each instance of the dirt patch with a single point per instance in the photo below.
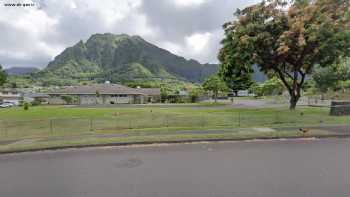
(7, 142)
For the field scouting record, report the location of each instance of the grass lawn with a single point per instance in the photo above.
(43, 121)
(154, 138)
(83, 126)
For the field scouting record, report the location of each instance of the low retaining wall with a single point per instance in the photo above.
(340, 108)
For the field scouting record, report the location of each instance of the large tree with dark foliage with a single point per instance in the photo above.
(287, 39)
(3, 76)
(236, 81)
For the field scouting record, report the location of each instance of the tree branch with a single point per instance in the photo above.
(284, 81)
(303, 75)
(286, 72)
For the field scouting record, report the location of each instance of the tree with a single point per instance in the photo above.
(332, 77)
(3, 76)
(344, 69)
(273, 86)
(68, 99)
(97, 93)
(236, 81)
(164, 92)
(13, 85)
(195, 94)
(325, 78)
(97, 96)
(215, 84)
(286, 39)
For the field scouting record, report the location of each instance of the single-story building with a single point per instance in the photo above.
(11, 95)
(102, 94)
(152, 95)
(40, 98)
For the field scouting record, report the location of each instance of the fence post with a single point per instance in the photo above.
(167, 120)
(51, 126)
(152, 120)
(276, 116)
(91, 124)
(3, 127)
(116, 123)
(203, 122)
(239, 118)
(233, 119)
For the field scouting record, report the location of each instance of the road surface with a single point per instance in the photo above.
(310, 168)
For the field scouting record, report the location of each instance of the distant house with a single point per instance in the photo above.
(40, 98)
(102, 94)
(152, 95)
(184, 93)
(11, 95)
(243, 93)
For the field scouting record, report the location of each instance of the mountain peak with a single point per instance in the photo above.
(120, 58)
(108, 36)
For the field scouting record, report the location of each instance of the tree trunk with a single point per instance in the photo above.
(293, 102)
(294, 89)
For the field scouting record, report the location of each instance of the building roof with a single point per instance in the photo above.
(12, 90)
(101, 88)
(36, 95)
(150, 91)
(10, 93)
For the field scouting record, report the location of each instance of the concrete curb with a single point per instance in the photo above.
(124, 144)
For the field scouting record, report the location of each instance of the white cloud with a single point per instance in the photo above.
(199, 46)
(170, 46)
(198, 42)
(22, 30)
(187, 3)
(110, 11)
(30, 32)
(32, 36)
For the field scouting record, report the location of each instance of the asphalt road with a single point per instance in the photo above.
(317, 168)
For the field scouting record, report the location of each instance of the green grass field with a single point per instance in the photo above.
(63, 121)
(39, 145)
(59, 126)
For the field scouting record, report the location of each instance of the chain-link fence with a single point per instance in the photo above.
(163, 121)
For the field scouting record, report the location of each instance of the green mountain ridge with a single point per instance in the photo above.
(122, 58)
(21, 70)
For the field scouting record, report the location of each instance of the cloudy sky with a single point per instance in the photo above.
(34, 35)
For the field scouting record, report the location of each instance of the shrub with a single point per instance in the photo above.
(26, 106)
(67, 99)
(272, 86)
(35, 103)
(195, 94)
(163, 94)
(345, 85)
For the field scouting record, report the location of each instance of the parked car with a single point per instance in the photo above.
(6, 105)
